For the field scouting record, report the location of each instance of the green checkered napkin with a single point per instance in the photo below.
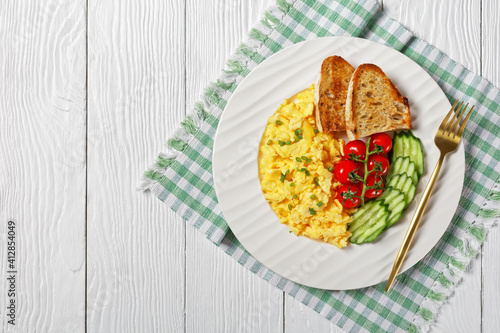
(182, 177)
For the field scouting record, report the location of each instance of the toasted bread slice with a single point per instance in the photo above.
(331, 93)
(374, 104)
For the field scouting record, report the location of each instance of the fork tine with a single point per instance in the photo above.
(450, 121)
(459, 116)
(462, 127)
(445, 120)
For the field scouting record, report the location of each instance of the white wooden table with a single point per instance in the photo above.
(89, 92)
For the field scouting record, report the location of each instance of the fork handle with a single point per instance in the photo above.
(419, 212)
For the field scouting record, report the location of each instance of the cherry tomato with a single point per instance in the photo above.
(356, 147)
(373, 160)
(373, 193)
(381, 139)
(345, 194)
(343, 169)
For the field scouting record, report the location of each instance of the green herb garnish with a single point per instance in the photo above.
(283, 176)
(319, 204)
(279, 122)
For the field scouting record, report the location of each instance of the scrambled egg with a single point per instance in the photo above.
(295, 177)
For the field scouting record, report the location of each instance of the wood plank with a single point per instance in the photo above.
(42, 162)
(458, 24)
(221, 296)
(135, 100)
(491, 250)
(453, 26)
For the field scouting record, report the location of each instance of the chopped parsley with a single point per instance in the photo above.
(288, 142)
(330, 168)
(320, 203)
(312, 211)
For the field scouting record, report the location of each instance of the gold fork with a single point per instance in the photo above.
(447, 139)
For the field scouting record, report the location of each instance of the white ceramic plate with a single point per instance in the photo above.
(254, 223)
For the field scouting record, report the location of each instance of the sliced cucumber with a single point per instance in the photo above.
(416, 153)
(397, 146)
(404, 183)
(403, 165)
(373, 230)
(378, 213)
(371, 235)
(395, 201)
(397, 181)
(410, 193)
(398, 166)
(389, 194)
(396, 212)
(362, 215)
(406, 144)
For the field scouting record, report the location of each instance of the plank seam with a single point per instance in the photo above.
(482, 245)
(184, 225)
(86, 153)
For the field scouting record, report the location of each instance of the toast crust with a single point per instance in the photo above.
(331, 93)
(374, 104)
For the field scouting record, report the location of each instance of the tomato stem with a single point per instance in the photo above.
(376, 169)
(365, 162)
